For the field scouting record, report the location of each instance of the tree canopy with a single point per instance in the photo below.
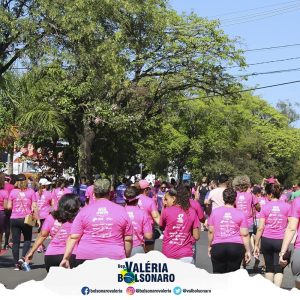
(117, 80)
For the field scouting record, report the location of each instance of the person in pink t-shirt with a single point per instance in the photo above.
(141, 222)
(89, 195)
(272, 224)
(228, 236)
(58, 226)
(101, 229)
(44, 202)
(180, 224)
(3, 206)
(22, 202)
(59, 191)
(292, 229)
(148, 204)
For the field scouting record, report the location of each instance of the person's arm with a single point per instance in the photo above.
(71, 242)
(210, 236)
(288, 236)
(197, 195)
(258, 235)
(196, 234)
(263, 182)
(38, 242)
(246, 241)
(35, 210)
(128, 245)
(148, 235)
(9, 205)
(5, 203)
(156, 217)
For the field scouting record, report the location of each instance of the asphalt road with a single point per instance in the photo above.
(11, 278)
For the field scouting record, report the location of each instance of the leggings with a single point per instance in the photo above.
(7, 226)
(227, 257)
(270, 249)
(17, 227)
(2, 221)
(55, 260)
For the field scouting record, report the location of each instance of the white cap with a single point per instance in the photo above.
(44, 181)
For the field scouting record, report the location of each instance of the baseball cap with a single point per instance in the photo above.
(143, 184)
(44, 181)
(20, 177)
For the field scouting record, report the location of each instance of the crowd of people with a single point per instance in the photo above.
(87, 222)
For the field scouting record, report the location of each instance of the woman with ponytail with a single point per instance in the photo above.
(58, 226)
(180, 224)
(44, 200)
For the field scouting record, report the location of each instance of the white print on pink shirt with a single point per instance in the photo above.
(58, 232)
(178, 236)
(242, 204)
(227, 226)
(22, 201)
(134, 224)
(275, 218)
(102, 225)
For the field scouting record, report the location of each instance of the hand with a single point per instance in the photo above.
(283, 263)
(65, 263)
(247, 257)
(256, 252)
(28, 257)
(208, 252)
(38, 221)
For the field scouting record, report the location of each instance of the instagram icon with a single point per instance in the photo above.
(130, 290)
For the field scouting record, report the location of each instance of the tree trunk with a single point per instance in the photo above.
(85, 150)
(10, 160)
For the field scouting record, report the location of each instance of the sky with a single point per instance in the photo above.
(259, 24)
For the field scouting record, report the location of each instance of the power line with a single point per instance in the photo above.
(237, 92)
(251, 9)
(272, 47)
(269, 72)
(250, 17)
(267, 62)
(261, 15)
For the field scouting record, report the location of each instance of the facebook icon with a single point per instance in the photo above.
(85, 290)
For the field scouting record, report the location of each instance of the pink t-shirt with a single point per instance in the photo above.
(195, 204)
(59, 234)
(141, 224)
(178, 226)
(244, 202)
(295, 213)
(148, 205)
(3, 196)
(227, 222)
(89, 193)
(283, 198)
(21, 202)
(262, 202)
(8, 187)
(58, 193)
(102, 226)
(275, 214)
(44, 203)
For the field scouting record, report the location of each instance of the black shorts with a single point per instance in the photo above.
(270, 249)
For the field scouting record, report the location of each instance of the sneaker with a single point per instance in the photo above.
(40, 249)
(17, 267)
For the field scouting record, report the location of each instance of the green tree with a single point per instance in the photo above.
(114, 65)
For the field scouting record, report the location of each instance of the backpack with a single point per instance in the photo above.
(202, 193)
